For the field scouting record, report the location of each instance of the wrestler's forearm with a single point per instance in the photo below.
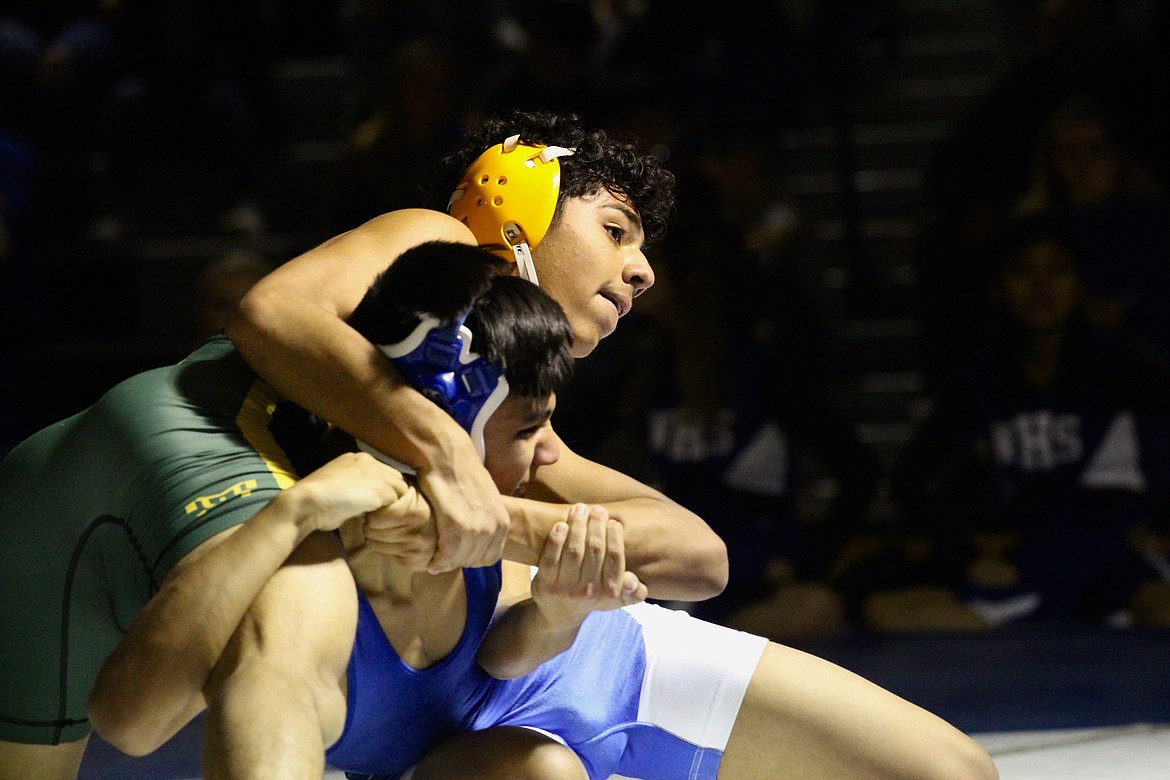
(340, 376)
(152, 684)
(671, 550)
(291, 329)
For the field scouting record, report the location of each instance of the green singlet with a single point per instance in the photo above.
(96, 509)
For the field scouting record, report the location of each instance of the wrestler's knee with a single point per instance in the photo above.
(501, 753)
(551, 761)
(263, 670)
(289, 654)
(548, 761)
(972, 762)
(45, 762)
(259, 684)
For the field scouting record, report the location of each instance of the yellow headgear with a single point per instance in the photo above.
(509, 195)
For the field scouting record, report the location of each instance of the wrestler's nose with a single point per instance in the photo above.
(637, 273)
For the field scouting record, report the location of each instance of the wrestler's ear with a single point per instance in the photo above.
(437, 279)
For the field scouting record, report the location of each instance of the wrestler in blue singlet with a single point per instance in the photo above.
(603, 697)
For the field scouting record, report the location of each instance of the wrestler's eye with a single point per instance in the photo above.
(532, 430)
(616, 232)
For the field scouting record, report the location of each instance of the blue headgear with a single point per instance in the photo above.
(436, 359)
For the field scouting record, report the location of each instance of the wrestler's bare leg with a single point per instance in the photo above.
(45, 762)
(805, 717)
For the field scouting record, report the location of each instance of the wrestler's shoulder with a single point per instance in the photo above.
(426, 224)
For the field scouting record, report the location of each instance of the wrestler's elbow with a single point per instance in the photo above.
(697, 573)
(246, 325)
(712, 565)
(132, 711)
(120, 721)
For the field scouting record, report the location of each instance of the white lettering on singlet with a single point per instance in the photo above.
(680, 438)
(1038, 440)
(1042, 440)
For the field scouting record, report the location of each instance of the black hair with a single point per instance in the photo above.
(514, 324)
(436, 279)
(599, 162)
(521, 329)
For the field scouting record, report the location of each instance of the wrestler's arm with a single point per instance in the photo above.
(152, 684)
(669, 547)
(582, 569)
(276, 699)
(290, 329)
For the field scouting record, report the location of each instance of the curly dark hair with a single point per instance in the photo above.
(600, 162)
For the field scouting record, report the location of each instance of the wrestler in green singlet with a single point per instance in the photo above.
(96, 509)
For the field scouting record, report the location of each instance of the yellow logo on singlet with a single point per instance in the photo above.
(204, 504)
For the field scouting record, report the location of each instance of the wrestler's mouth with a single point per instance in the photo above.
(620, 302)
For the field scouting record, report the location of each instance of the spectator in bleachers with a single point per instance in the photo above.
(57, 61)
(1037, 492)
(547, 56)
(20, 302)
(185, 132)
(415, 115)
(1119, 212)
(62, 55)
(983, 167)
(710, 404)
(21, 175)
(221, 284)
(372, 32)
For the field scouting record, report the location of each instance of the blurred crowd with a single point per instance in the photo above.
(1035, 486)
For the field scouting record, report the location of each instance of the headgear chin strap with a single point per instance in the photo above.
(509, 195)
(436, 359)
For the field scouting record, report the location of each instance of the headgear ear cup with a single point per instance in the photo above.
(508, 195)
(436, 359)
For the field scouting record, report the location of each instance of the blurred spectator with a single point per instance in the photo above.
(221, 284)
(21, 173)
(56, 59)
(372, 33)
(714, 410)
(57, 62)
(737, 169)
(184, 133)
(415, 115)
(1119, 213)
(1037, 491)
(977, 175)
(740, 60)
(21, 304)
(547, 59)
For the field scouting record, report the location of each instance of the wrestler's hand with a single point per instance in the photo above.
(348, 486)
(404, 530)
(583, 568)
(469, 514)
